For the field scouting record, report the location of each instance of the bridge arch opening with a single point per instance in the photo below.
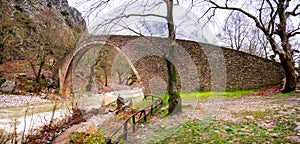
(92, 58)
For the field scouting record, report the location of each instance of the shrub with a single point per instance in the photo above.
(19, 7)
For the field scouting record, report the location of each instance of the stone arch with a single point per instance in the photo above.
(66, 68)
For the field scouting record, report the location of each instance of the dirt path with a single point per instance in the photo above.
(267, 112)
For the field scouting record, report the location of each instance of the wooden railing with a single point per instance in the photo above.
(125, 127)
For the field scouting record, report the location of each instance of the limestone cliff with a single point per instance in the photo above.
(35, 36)
(31, 7)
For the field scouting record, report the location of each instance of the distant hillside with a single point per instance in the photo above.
(35, 36)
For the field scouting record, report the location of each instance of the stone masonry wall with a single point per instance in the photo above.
(199, 66)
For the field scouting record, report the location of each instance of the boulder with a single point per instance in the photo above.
(84, 127)
(120, 102)
(8, 86)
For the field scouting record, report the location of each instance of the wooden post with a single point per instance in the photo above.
(133, 121)
(145, 116)
(151, 107)
(125, 131)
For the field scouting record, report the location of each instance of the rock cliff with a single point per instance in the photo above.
(35, 36)
(30, 7)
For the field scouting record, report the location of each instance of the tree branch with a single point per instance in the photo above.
(118, 18)
(258, 24)
(273, 15)
(275, 47)
(294, 33)
(95, 6)
(260, 14)
(276, 2)
(293, 13)
(210, 17)
(144, 15)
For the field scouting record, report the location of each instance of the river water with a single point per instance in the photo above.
(28, 119)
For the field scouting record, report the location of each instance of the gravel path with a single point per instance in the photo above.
(264, 111)
(19, 100)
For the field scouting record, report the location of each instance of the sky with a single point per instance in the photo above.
(186, 27)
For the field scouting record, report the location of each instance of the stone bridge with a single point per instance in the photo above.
(199, 66)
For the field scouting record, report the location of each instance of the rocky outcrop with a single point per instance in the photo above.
(84, 127)
(35, 35)
(8, 86)
(71, 15)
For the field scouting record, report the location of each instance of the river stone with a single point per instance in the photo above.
(85, 127)
(8, 86)
(294, 139)
(250, 117)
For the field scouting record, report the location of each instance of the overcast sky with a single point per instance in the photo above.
(184, 23)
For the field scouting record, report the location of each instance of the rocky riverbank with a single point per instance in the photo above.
(19, 100)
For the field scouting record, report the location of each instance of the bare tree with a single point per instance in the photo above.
(102, 63)
(53, 41)
(238, 33)
(121, 69)
(274, 26)
(258, 44)
(235, 31)
(174, 96)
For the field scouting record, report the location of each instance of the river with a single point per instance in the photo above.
(29, 118)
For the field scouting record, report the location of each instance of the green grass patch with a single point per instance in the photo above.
(194, 96)
(142, 104)
(285, 94)
(238, 93)
(138, 105)
(224, 132)
(256, 114)
(78, 137)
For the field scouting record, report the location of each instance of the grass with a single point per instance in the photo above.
(267, 126)
(142, 104)
(256, 114)
(224, 132)
(194, 96)
(78, 137)
(285, 94)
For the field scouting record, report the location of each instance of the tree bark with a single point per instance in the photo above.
(286, 62)
(174, 96)
(286, 58)
(290, 76)
(90, 84)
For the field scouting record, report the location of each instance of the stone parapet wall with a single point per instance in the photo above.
(200, 67)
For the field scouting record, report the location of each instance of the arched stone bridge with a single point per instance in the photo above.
(199, 66)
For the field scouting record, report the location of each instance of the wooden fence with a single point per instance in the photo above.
(122, 131)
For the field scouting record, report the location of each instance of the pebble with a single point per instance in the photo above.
(250, 117)
(19, 100)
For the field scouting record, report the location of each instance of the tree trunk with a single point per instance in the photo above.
(105, 78)
(90, 84)
(174, 96)
(286, 58)
(290, 76)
